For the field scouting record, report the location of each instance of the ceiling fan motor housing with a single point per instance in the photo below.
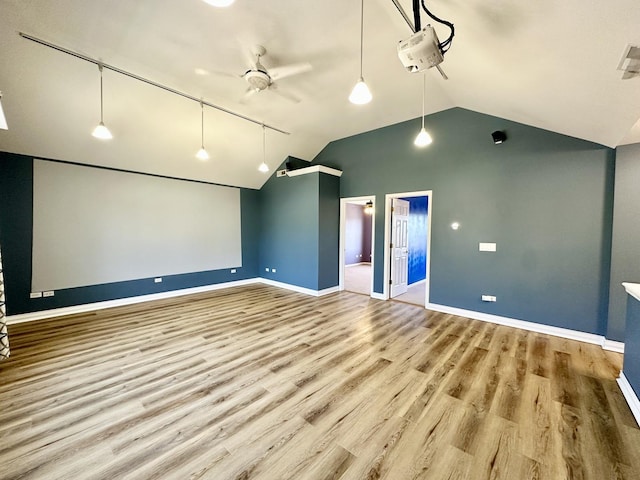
(258, 79)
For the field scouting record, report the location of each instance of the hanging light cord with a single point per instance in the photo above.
(264, 145)
(101, 95)
(202, 125)
(361, 34)
(424, 78)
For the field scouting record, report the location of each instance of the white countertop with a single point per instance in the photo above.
(632, 289)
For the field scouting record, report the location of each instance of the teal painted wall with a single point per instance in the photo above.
(631, 366)
(544, 198)
(16, 228)
(328, 231)
(625, 251)
(289, 230)
(299, 234)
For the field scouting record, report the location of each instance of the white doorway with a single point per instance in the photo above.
(357, 228)
(395, 261)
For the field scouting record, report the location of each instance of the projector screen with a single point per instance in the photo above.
(93, 226)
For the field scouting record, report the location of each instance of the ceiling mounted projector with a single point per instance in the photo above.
(421, 50)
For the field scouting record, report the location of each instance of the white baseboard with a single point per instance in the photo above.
(357, 264)
(90, 307)
(295, 288)
(510, 322)
(613, 346)
(531, 326)
(630, 396)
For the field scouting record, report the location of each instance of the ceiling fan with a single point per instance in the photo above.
(259, 78)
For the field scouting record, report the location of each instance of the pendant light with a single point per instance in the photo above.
(101, 131)
(360, 93)
(202, 153)
(3, 119)
(423, 139)
(264, 168)
(219, 3)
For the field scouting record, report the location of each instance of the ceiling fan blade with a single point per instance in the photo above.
(250, 92)
(289, 96)
(216, 73)
(289, 70)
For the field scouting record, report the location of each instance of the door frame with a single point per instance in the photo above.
(343, 228)
(386, 291)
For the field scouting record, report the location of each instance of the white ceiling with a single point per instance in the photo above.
(544, 63)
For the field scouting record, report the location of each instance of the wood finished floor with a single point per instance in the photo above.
(260, 383)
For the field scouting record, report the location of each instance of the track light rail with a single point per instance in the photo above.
(147, 81)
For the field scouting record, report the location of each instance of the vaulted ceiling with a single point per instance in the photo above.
(547, 64)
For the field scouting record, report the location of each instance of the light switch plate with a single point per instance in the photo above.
(49, 293)
(487, 247)
(35, 295)
(157, 280)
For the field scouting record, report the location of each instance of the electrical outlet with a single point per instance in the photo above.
(35, 295)
(233, 270)
(157, 280)
(266, 269)
(487, 247)
(273, 270)
(488, 298)
(49, 293)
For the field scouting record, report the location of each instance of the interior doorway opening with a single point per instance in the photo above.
(357, 226)
(407, 246)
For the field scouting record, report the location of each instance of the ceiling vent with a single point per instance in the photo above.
(630, 63)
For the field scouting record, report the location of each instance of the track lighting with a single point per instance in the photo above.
(134, 76)
(360, 93)
(423, 139)
(202, 153)
(264, 168)
(101, 131)
(3, 119)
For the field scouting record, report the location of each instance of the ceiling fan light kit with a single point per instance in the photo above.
(259, 78)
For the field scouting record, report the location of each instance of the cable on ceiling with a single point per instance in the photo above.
(146, 80)
(416, 16)
(446, 45)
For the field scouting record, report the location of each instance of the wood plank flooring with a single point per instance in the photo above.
(257, 382)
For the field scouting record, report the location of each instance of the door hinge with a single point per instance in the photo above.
(390, 282)
(391, 245)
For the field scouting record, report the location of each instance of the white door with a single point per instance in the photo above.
(399, 246)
